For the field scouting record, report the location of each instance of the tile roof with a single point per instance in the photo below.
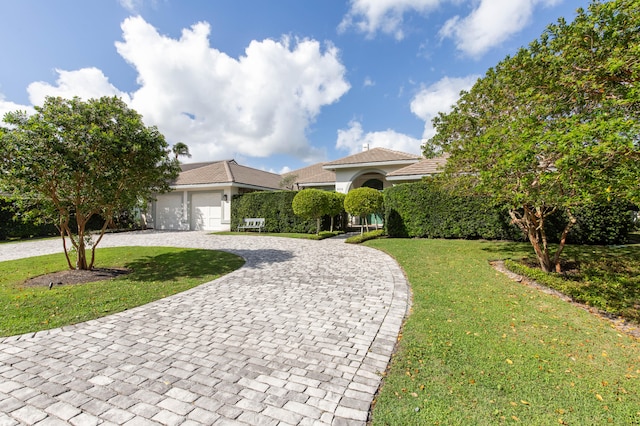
(426, 166)
(227, 171)
(313, 174)
(374, 155)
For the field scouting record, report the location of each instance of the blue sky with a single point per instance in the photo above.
(274, 84)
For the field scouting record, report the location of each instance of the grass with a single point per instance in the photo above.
(321, 236)
(157, 272)
(481, 349)
(607, 278)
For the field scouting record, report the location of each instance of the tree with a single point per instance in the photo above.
(336, 205)
(72, 160)
(181, 149)
(555, 126)
(363, 202)
(311, 204)
(288, 181)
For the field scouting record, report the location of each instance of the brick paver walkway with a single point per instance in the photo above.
(299, 335)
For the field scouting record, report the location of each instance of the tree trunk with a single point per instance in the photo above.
(102, 231)
(317, 226)
(81, 259)
(532, 224)
(563, 240)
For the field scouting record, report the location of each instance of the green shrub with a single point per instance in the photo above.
(422, 210)
(276, 208)
(311, 204)
(361, 238)
(603, 222)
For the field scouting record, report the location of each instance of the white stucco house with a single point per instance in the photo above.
(377, 168)
(202, 193)
(201, 196)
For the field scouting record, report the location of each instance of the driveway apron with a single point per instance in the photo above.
(299, 335)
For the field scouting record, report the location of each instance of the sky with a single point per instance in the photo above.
(276, 85)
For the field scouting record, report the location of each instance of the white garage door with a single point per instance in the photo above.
(168, 211)
(206, 211)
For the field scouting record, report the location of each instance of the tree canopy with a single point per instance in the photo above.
(554, 126)
(72, 160)
(363, 201)
(311, 204)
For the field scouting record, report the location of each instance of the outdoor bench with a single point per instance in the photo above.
(252, 223)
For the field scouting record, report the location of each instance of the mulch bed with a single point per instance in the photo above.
(76, 276)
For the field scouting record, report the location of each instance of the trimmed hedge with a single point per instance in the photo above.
(12, 227)
(422, 210)
(604, 222)
(276, 208)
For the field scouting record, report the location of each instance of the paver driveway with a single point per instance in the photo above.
(297, 336)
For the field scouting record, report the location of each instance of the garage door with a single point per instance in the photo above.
(206, 211)
(168, 211)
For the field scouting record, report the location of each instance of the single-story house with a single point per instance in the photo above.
(377, 168)
(202, 193)
(201, 196)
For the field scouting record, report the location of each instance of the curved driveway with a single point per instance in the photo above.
(299, 335)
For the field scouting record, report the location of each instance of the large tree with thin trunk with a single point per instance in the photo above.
(555, 126)
(73, 160)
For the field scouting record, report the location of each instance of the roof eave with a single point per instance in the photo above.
(370, 164)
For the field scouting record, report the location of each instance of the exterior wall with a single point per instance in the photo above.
(175, 210)
(347, 179)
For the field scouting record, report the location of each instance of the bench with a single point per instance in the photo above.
(252, 223)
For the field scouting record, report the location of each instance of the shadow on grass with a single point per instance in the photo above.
(198, 263)
(183, 264)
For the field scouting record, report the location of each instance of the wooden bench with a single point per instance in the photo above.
(252, 223)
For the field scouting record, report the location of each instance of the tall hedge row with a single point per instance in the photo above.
(13, 227)
(604, 222)
(275, 207)
(422, 210)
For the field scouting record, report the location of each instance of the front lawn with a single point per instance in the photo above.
(157, 272)
(478, 348)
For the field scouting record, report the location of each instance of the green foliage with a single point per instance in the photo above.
(361, 238)
(82, 159)
(556, 125)
(424, 209)
(311, 204)
(606, 278)
(275, 207)
(363, 201)
(480, 349)
(604, 222)
(157, 272)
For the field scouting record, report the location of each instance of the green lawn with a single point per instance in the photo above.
(157, 272)
(481, 349)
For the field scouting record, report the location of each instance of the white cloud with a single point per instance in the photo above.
(490, 23)
(353, 139)
(368, 82)
(371, 16)
(257, 105)
(439, 97)
(85, 83)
